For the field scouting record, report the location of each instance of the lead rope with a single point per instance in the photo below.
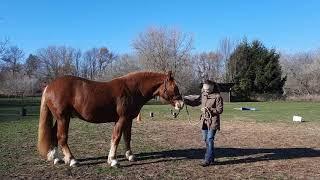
(189, 119)
(206, 116)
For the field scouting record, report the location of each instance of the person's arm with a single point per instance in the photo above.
(192, 100)
(219, 106)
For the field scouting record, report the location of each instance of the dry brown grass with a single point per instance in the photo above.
(173, 150)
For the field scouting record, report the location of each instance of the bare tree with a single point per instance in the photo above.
(187, 79)
(105, 58)
(68, 60)
(3, 47)
(51, 61)
(77, 61)
(90, 60)
(20, 84)
(208, 66)
(96, 62)
(225, 49)
(303, 73)
(161, 49)
(123, 65)
(32, 65)
(58, 60)
(12, 59)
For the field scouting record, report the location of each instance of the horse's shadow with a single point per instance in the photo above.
(241, 155)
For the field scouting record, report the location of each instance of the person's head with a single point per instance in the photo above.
(210, 87)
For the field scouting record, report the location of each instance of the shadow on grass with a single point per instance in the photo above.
(255, 155)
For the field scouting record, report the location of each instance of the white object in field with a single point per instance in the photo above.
(191, 97)
(246, 109)
(297, 119)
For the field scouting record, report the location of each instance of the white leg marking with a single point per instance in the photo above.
(56, 161)
(112, 153)
(52, 154)
(73, 163)
(66, 159)
(129, 155)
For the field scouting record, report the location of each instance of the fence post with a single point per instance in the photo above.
(23, 111)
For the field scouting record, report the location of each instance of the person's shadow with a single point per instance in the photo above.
(261, 154)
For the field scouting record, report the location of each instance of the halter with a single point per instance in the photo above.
(165, 91)
(165, 87)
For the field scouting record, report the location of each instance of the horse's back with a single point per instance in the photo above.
(66, 86)
(89, 100)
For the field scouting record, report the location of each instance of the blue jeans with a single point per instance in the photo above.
(208, 137)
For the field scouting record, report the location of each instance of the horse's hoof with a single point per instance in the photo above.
(129, 155)
(74, 163)
(131, 158)
(52, 154)
(56, 161)
(114, 163)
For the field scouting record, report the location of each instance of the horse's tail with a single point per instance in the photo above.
(45, 127)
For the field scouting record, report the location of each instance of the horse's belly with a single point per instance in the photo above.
(99, 117)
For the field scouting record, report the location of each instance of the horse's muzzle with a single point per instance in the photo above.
(178, 104)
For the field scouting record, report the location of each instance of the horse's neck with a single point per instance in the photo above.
(149, 86)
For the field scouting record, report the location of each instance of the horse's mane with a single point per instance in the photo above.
(142, 75)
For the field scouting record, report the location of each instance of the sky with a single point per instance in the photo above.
(287, 25)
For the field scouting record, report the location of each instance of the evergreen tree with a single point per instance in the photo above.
(255, 69)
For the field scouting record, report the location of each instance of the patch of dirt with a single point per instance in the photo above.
(174, 149)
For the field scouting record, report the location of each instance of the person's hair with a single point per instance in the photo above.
(215, 86)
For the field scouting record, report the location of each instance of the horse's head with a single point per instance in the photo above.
(170, 92)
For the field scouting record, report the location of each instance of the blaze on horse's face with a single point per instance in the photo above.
(170, 92)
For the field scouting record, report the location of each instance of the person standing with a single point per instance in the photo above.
(211, 107)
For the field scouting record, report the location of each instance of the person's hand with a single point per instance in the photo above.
(187, 101)
(203, 110)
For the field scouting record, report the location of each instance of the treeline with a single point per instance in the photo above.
(254, 69)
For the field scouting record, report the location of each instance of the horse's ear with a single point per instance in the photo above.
(170, 76)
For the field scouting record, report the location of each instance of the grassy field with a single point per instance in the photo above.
(252, 144)
(266, 111)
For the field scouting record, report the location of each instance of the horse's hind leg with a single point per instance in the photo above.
(127, 140)
(62, 135)
(53, 153)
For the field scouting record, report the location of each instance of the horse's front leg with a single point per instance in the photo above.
(127, 140)
(62, 136)
(115, 139)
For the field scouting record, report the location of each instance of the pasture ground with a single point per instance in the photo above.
(263, 144)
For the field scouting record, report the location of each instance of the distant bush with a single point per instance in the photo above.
(267, 97)
(314, 98)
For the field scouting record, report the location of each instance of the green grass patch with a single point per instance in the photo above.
(273, 111)
(266, 112)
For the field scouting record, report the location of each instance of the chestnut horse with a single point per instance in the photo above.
(119, 100)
